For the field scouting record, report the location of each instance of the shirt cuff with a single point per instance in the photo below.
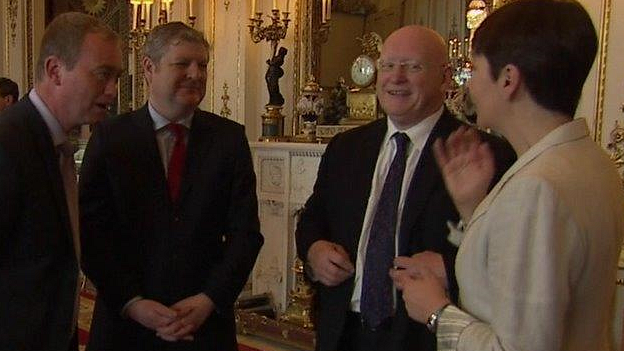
(451, 322)
(124, 309)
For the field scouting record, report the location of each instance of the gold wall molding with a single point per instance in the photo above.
(11, 25)
(5, 54)
(602, 68)
(239, 63)
(225, 98)
(30, 45)
(211, 38)
(616, 146)
(302, 49)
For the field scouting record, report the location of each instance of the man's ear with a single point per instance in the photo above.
(148, 69)
(53, 68)
(510, 80)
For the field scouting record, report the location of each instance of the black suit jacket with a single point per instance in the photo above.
(335, 212)
(38, 266)
(137, 243)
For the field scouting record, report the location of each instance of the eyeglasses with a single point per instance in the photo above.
(411, 66)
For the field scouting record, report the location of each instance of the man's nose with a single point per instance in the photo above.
(195, 70)
(111, 87)
(398, 74)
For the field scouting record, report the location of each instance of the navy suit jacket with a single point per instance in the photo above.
(136, 242)
(335, 212)
(38, 266)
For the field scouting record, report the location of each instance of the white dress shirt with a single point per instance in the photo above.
(165, 137)
(418, 135)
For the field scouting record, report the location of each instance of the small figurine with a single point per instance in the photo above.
(272, 76)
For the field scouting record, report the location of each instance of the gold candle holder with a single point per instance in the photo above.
(273, 32)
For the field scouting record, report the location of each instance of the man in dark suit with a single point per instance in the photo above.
(170, 227)
(9, 92)
(75, 83)
(379, 194)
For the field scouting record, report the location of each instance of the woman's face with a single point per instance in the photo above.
(484, 93)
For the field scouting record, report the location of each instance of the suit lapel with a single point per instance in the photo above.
(150, 162)
(362, 175)
(50, 158)
(425, 178)
(200, 139)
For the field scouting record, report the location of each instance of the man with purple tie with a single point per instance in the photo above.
(379, 194)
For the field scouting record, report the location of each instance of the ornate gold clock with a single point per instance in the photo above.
(362, 101)
(363, 71)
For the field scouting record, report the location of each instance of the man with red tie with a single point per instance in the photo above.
(169, 218)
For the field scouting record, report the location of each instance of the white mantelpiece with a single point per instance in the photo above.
(285, 173)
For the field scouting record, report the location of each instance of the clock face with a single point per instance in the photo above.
(363, 71)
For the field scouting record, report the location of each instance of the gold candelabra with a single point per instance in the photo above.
(273, 32)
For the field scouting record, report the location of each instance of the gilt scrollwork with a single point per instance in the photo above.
(225, 109)
(616, 146)
(12, 7)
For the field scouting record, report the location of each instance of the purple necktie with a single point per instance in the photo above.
(376, 302)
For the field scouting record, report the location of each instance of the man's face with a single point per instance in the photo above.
(411, 81)
(5, 101)
(177, 82)
(483, 92)
(89, 89)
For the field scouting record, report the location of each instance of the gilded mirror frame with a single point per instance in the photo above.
(306, 52)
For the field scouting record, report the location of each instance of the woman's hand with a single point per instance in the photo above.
(422, 292)
(467, 166)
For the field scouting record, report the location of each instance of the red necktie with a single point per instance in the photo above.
(176, 162)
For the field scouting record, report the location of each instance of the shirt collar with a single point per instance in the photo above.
(419, 131)
(160, 121)
(59, 136)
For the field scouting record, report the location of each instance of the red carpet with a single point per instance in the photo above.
(87, 300)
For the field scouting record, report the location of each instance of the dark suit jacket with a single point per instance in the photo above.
(335, 212)
(38, 267)
(136, 242)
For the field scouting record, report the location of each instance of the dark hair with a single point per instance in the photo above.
(553, 44)
(65, 35)
(171, 33)
(9, 87)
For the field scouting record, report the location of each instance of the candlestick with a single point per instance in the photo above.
(273, 32)
(329, 5)
(253, 8)
(148, 17)
(323, 10)
(135, 8)
(190, 4)
(143, 13)
(287, 3)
